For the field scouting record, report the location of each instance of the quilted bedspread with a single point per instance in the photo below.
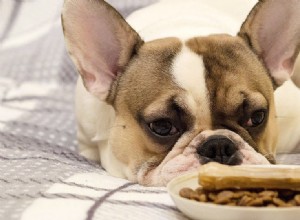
(42, 176)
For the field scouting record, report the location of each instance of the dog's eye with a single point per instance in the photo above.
(256, 118)
(163, 127)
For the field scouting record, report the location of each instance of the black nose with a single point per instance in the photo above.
(219, 149)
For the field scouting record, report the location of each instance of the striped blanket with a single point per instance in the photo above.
(42, 176)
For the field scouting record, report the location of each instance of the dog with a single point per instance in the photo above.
(183, 83)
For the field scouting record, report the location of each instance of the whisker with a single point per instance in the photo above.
(278, 116)
(117, 126)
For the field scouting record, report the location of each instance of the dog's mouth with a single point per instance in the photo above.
(234, 159)
(209, 146)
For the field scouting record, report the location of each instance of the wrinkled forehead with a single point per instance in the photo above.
(168, 69)
(229, 60)
(232, 73)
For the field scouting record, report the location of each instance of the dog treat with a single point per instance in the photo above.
(246, 186)
(214, 176)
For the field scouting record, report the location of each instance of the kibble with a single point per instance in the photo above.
(254, 198)
(297, 199)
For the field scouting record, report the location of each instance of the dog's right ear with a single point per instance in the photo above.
(272, 31)
(100, 42)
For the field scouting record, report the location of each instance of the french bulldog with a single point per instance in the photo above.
(184, 82)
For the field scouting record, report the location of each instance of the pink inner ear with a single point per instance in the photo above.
(288, 64)
(99, 42)
(278, 29)
(93, 39)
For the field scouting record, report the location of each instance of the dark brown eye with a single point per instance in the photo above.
(163, 127)
(256, 118)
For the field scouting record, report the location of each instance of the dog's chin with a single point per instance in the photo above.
(173, 166)
(167, 170)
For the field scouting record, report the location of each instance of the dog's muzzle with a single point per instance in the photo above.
(219, 148)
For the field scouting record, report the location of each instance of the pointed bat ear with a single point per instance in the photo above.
(99, 41)
(272, 30)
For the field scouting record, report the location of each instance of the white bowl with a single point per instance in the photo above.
(208, 211)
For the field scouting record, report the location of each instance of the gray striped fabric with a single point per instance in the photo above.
(41, 174)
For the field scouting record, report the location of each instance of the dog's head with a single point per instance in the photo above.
(180, 104)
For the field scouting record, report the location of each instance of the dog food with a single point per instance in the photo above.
(272, 186)
(270, 198)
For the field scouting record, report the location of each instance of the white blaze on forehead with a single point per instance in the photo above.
(189, 74)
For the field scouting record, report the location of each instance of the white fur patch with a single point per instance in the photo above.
(189, 73)
(287, 102)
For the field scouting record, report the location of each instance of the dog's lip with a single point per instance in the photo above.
(234, 159)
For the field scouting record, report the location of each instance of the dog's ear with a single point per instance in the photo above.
(272, 30)
(99, 41)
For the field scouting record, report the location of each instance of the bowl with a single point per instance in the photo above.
(208, 211)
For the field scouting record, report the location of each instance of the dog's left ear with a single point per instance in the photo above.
(272, 30)
(100, 43)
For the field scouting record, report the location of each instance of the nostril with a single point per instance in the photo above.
(207, 151)
(217, 148)
(230, 149)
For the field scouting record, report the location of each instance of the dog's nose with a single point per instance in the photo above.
(220, 149)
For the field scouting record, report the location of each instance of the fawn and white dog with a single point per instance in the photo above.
(181, 84)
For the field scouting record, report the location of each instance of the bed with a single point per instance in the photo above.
(42, 176)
